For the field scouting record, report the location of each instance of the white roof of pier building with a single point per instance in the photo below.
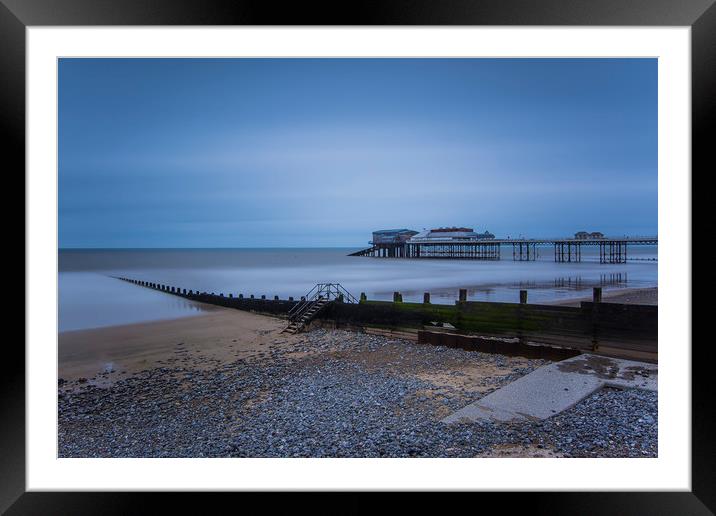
(449, 235)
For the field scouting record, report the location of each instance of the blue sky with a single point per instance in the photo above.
(320, 152)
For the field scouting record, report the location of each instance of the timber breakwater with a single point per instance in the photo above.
(610, 329)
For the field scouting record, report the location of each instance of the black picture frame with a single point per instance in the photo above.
(700, 15)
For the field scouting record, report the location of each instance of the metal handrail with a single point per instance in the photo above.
(348, 296)
(306, 300)
(304, 307)
(317, 293)
(299, 308)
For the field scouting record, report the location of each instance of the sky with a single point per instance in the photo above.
(321, 152)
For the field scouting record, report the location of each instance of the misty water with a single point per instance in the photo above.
(90, 297)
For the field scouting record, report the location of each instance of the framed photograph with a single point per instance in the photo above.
(420, 247)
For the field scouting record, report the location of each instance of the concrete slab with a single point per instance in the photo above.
(556, 387)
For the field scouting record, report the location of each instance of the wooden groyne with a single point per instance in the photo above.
(611, 329)
(249, 303)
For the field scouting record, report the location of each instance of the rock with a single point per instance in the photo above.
(334, 403)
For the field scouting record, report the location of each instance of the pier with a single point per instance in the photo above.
(566, 250)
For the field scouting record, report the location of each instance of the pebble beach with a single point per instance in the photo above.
(323, 393)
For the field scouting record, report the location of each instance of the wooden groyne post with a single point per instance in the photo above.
(596, 299)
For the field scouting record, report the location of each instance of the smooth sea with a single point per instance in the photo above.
(90, 296)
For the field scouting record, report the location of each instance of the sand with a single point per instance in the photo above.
(630, 296)
(217, 337)
(201, 341)
(105, 355)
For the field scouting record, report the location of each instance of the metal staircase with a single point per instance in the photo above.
(317, 298)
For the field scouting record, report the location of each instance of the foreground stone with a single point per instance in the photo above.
(554, 388)
(339, 394)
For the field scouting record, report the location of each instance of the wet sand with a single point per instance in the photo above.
(630, 296)
(103, 355)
